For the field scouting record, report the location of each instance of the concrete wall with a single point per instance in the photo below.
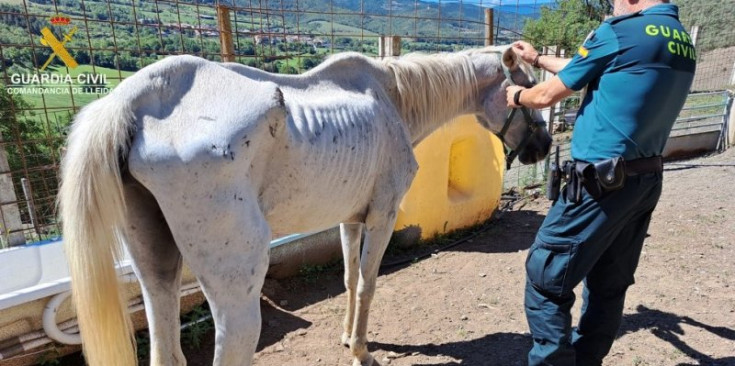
(689, 145)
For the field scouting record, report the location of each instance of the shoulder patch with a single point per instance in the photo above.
(583, 51)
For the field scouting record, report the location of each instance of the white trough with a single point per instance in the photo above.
(35, 315)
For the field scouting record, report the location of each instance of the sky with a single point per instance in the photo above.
(497, 2)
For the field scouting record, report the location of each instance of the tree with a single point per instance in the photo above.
(310, 62)
(565, 25)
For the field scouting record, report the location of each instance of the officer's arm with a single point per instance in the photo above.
(552, 64)
(528, 53)
(540, 96)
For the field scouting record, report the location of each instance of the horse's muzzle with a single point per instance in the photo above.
(537, 149)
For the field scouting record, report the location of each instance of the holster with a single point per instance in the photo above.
(553, 182)
(597, 179)
(573, 188)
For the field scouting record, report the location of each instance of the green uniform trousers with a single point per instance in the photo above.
(595, 240)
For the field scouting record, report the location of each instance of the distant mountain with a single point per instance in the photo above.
(521, 7)
(418, 19)
(532, 10)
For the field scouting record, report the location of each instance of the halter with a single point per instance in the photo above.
(531, 125)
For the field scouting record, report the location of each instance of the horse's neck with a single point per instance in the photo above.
(432, 90)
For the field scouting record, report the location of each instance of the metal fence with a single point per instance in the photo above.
(700, 128)
(58, 55)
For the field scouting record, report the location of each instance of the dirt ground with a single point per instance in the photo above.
(464, 305)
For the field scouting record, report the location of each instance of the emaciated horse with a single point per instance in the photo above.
(204, 163)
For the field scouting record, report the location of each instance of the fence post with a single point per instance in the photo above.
(227, 48)
(549, 112)
(389, 46)
(731, 122)
(489, 24)
(695, 34)
(395, 46)
(31, 206)
(546, 112)
(11, 226)
(557, 107)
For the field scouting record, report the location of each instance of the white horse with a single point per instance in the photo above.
(205, 162)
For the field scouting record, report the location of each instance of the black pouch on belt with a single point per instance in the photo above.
(611, 173)
(587, 176)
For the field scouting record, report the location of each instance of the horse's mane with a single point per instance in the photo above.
(430, 86)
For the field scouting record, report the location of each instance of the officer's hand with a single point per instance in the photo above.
(525, 51)
(511, 91)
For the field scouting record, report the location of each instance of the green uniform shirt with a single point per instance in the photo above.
(639, 68)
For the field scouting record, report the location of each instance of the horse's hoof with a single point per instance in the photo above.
(369, 361)
(345, 340)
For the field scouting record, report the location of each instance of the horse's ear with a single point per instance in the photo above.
(510, 59)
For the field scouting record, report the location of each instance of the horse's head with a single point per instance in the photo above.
(523, 130)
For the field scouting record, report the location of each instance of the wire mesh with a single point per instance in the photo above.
(111, 39)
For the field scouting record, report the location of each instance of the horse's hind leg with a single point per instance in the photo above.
(379, 223)
(157, 263)
(350, 235)
(224, 237)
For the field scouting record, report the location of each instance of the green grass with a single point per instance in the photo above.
(325, 27)
(113, 75)
(708, 104)
(198, 328)
(311, 274)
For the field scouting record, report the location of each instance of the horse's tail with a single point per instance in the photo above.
(92, 209)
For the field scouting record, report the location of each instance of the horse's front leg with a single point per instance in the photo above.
(350, 235)
(379, 225)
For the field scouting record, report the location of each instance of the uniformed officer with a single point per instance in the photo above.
(638, 67)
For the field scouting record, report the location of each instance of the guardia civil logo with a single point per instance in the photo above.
(58, 37)
(680, 42)
(50, 40)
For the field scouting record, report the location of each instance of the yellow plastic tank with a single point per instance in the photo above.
(459, 180)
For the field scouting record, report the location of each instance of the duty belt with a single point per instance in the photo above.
(653, 164)
(598, 178)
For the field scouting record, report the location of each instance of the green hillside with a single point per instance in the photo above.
(128, 35)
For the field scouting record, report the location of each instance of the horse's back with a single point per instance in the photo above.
(199, 123)
(311, 153)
